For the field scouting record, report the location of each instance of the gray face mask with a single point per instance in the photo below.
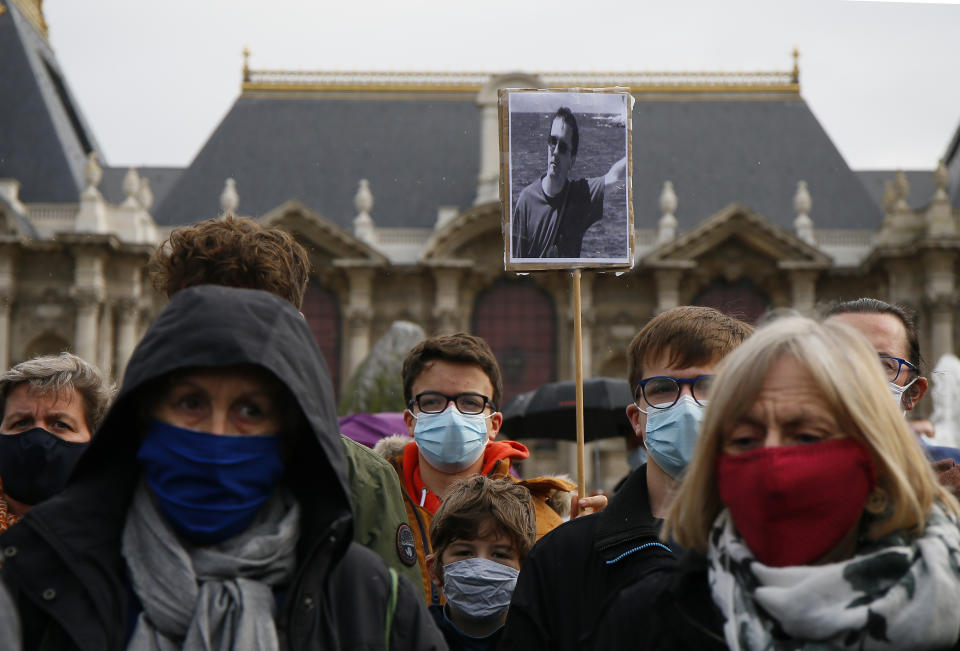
(478, 587)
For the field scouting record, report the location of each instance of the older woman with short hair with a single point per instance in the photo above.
(809, 514)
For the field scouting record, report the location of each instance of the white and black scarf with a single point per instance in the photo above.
(897, 593)
(212, 596)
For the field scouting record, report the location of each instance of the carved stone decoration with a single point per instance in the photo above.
(803, 224)
(131, 187)
(902, 187)
(889, 196)
(229, 199)
(941, 178)
(363, 226)
(145, 194)
(92, 216)
(92, 174)
(667, 227)
(376, 384)
(939, 216)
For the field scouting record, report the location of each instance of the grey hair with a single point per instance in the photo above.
(51, 374)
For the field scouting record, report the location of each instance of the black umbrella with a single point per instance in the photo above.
(549, 411)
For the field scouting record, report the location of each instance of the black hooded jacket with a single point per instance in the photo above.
(574, 572)
(63, 562)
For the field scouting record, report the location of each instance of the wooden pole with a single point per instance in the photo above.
(578, 364)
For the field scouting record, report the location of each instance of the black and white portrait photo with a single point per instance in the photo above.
(568, 179)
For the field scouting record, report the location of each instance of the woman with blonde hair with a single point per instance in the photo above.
(810, 516)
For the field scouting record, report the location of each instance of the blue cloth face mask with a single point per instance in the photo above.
(478, 587)
(209, 486)
(672, 435)
(450, 441)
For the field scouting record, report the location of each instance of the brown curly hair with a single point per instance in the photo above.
(232, 251)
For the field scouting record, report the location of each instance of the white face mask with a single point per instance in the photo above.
(897, 392)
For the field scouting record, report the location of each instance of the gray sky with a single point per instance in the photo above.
(155, 78)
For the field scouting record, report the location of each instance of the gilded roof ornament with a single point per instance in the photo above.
(795, 77)
(246, 64)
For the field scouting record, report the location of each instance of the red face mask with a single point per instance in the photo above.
(794, 504)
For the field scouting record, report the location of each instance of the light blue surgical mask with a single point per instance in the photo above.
(478, 587)
(450, 441)
(636, 457)
(672, 435)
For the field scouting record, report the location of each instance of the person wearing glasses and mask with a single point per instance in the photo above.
(809, 517)
(554, 212)
(453, 389)
(574, 572)
(893, 333)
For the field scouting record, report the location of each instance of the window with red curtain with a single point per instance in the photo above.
(322, 312)
(518, 320)
(740, 300)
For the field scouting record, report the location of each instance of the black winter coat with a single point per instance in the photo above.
(576, 570)
(63, 562)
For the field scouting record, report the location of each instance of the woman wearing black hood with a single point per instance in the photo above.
(211, 511)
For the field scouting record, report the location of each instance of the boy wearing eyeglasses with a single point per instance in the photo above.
(573, 573)
(453, 390)
(554, 212)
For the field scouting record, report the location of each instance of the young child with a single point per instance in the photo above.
(480, 535)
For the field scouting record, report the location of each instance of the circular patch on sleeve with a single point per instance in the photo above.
(406, 545)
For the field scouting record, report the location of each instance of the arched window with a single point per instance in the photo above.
(518, 320)
(740, 300)
(47, 344)
(322, 312)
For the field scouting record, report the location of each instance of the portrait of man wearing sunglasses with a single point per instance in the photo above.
(553, 213)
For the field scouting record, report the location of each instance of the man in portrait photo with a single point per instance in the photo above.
(553, 213)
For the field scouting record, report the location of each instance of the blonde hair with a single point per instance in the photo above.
(847, 371)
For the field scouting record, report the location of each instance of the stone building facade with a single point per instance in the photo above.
(391, 182)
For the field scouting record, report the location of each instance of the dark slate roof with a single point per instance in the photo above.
(417, 155)
(753, 152)
(422, 153)
(44, 138)
(921, 185)
(161, 180)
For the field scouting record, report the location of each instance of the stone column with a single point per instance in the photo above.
(446, 305)
(803, 285)
(4, 333)
(85, 335)
(668, 288)
(128, 317)
(488, 181)
(105, 341)
(7, 290)
(359, 315)
(940, 290)
(89, 286)
(900, 283)
(941, 328)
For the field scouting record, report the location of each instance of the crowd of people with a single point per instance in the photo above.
(212, 503)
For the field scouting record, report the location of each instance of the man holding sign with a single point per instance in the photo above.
(553, 213)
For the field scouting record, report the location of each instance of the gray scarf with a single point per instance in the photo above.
(212, 597)
(897, 593)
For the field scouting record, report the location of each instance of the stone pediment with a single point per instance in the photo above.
(738, 222)
(294, 217)
(461, 230)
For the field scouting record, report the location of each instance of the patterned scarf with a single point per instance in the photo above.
(212, 596)
(7, 518)
(896, 593)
